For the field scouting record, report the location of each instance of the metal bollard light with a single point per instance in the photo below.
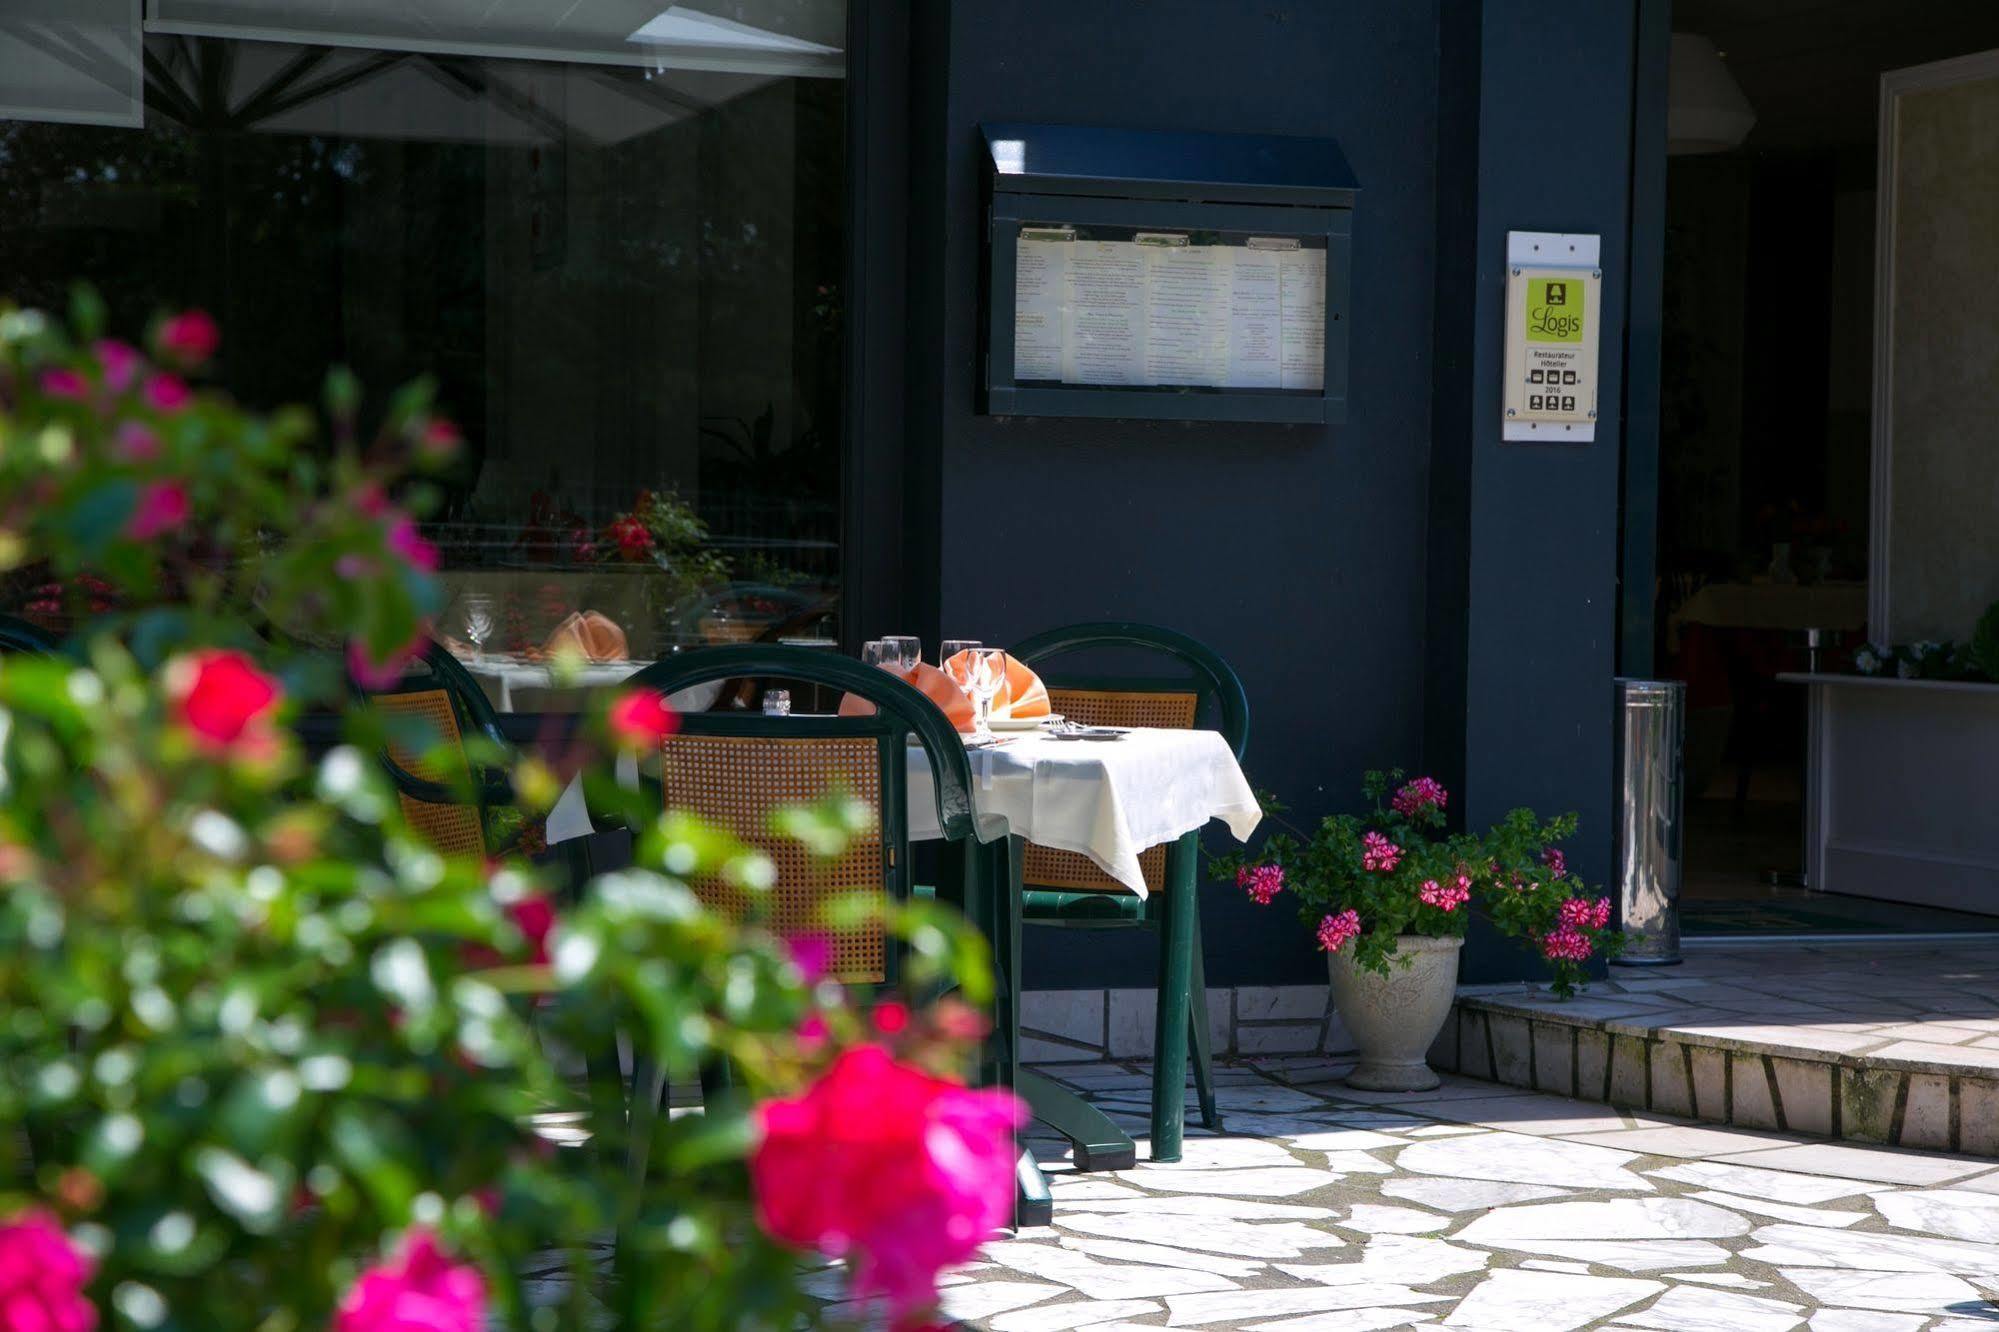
(1651, 741)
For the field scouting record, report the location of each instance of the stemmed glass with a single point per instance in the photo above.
(980, 672)
(951, 647)
(476, 611)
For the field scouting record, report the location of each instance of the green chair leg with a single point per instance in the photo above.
(1197, 1034)
(1178, 924)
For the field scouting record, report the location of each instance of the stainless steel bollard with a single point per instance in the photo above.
(1651, 741)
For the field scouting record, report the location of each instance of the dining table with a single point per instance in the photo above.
(1107, 795)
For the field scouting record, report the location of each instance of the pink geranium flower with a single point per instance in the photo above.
(1261, 882)
(1557, 863)
(904, 1173)
(1565, 944)
(1421, 794)
(534, 917)
(162, 507)
(42, 1276)
(811, 953)
(1335, 931)
(1444, 896)
(136, 442)
(1379, 854)
(188, 338)
(417, 1290)
(1579, 913)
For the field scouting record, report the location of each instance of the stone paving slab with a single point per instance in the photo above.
(1434, 1211)
(1873, 1042)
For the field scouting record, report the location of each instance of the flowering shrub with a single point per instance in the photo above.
(268, 1059)
(1367, 880)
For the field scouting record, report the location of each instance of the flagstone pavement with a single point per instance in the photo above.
(1484, 1208)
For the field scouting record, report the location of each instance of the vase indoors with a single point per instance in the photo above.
(1394, 1018)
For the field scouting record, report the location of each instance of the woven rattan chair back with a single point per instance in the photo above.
(1044, 867)
(449, 828)
(737, 781)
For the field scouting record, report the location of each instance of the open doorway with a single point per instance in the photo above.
(1767, 396)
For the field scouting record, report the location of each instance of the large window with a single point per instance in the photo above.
(612, 232)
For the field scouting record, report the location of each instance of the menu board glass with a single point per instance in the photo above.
(1101, 306)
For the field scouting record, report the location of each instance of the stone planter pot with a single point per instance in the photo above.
(1395, 1018)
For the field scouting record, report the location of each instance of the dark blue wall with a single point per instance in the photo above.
(1301, 552)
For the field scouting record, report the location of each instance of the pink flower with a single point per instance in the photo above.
(1416, 796)
(1565, 944)
(1579, 913)
(188, 338)
(812, 1031)
(642, 719)
(167, 393)
(1379, 854)
(119, 361)
(162, 507)
(1557, 863)
(440, 440)
(891, 1017)
(811, 953)
(1261, 882)
(222, 700)
(416, 1290)
(136, 442)
(42, 1276)
(63, 382)
(1334, 931)
(407, 543)
(906, 1173)
(1444, 897)
(372, 672)
(534, 917)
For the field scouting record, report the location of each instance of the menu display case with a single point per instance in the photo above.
(1178, 276)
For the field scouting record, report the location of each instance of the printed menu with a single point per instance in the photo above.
(1158, 309)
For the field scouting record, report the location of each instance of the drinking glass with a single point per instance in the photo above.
(980, 673)
(878, 652)
(906, 650)
(953, 646)
(476, 610)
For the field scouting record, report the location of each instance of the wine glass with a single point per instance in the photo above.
(980, 672)
(476, 610)
(906, 650)
(951, 647)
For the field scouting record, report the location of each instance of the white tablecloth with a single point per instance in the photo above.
(1105, 799)
(1108, 799)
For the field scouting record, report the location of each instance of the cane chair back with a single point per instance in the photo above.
(436, 704)
(1046, 867)
(1197, 677)
(736, 769)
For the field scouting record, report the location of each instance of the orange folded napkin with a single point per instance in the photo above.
(1022, 695)
(934, 684)
(592, 634)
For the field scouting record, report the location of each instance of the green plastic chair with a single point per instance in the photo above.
(18, 636)
(734, 767)
(440, 695)
(1066, 891)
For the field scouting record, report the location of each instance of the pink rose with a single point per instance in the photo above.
(642, 719)
(906, 1173)
(222, 700)
(409, 544)
(386, 672)
(162, 507)
(416, 1290)
(63, 382)
(42, 1276)
(167, 393)
(119, 361)
(188, 338)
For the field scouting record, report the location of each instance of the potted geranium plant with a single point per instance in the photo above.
(1389, 894)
